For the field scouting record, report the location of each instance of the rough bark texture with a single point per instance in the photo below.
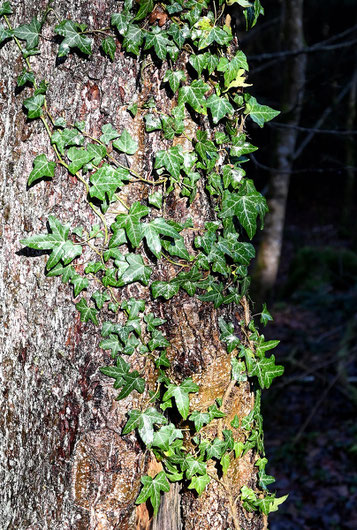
(270, 248)
(64, 464)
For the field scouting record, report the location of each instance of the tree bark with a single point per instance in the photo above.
(269, 252)
(64, 463)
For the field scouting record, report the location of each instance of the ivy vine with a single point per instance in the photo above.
(215, 269)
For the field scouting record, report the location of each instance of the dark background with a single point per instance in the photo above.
(309, 413)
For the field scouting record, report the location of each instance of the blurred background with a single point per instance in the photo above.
(303, 58)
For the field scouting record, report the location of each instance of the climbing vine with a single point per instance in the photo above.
(210, 94)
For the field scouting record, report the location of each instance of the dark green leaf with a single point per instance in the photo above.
(34, 106)
(87, 313)
(109, 47)
(73, 38)
(41, 168)
(152, 490)
(29, 33)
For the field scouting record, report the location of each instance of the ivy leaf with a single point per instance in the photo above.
(238, 370)
(66, 138)
(87, 313)
(137, 270)
(245, 206)
(199, 62)
(152, 122)
(29, 33)
(171, 160)
(157, 38)
(79, 283)
(98, 151)
(259, 113)
(231, 67)
(109, 47)
(225, 461)
(227, 334)
(217, 34)
(34, 106)
(158, 340)
(5, 9)
(109, 133)
(153, 322)
(131, 222)
(100, 298)
(146, 7)
(194, 467)
(164, 437)
(25, 76)
(73, 38)
(66, 272)
(118, 372)
(152, 490)
(133, 39)
(126, 143)
(121, 22)
(270, 503)
(265, 316)
(266, 370)
(176, 248)
(199, 419)
(41, 168)
(155, 199)
(165, 289)
(133, 307)
(152, 232)
(5, 33)
(174, 79)
(133, 381)
(181, 395)
(106, 180)
(199, 483)
(211, 62)
(219, 107)
(79, 157)
(57, 241)
(194, 95)
(144, 422)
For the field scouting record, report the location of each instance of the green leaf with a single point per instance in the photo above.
(73, 38)
(41, 168)
(171, 160)
(118, 372)
(259, 113)
(113, 344)
(227, 334)
(199, 62)
(79, 157)
(225, 461)
(199, 483)
(174, 79)
(133, 381)
(133, 39)
(235, 422)
(246, 206)
(164, 437)
(157, 39)
(152, 232)
(100, 298)
(219, 107)
(181, 395)
(121, 22)
(29, 33)
(126, 143)
(5, 33)
(109, 47)
(5, 9)
(152, 490)
(144, 422)
(152, 122)
(165, 289)
(25, 76)
(146, 7)
(133, 307)
(199, 419)
(158, 340)
(87, 313)
(194, 95)
(266, 370)
(231, 67)
(66, 138)
(79, 283)
(194, 467)
(109, 133)
(106, 180)
(131, 223)
(34, 106)
(137, 270)
(265, 316)
(155, 199)
(57, 241)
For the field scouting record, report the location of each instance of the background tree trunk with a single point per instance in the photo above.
(64, 464)
(268, 256)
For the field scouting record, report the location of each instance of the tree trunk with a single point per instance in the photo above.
(64, 463)
(268, 256)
